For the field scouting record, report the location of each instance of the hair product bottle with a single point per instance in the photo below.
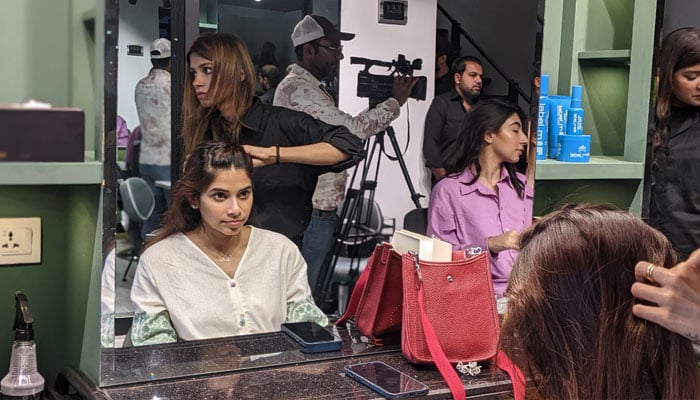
(23, 381)
(574, 123)
(542, 119)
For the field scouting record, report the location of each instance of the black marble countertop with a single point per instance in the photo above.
(266, 366)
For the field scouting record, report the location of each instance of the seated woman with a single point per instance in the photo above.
(207, 274)
(483, 200)
(569, 323)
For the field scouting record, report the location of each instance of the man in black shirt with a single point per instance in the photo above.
(443, 57)
(447, 111)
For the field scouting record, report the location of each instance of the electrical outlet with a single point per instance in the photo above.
(20, 240)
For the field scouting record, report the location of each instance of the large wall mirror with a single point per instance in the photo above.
(267, 24)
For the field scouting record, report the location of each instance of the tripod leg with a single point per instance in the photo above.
(397, 151)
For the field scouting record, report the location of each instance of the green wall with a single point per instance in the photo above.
(57, 288)
(48, 53)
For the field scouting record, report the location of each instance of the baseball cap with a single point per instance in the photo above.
(160, 48)
(313, 27)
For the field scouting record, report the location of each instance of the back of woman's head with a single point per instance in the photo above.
(230, 92)
(569, 322)
(486, 115)
(204, 163)
(679, 49)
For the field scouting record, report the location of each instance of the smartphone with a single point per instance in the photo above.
(385, 380)
(312, 337)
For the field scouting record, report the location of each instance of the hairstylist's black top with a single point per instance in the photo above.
(674, 207)
(282, 193)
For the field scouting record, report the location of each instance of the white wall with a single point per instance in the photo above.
(384, 42)
(138, 24)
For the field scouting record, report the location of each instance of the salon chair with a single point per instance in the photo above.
(416, 220)
(138, 201)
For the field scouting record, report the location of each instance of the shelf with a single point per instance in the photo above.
(208, 26)
(50, 173)
(605, 55)
(599, 167)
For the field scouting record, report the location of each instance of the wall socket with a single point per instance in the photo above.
(20, 241)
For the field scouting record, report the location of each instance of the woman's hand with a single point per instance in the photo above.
(261, 155)
(505, 241)
(675, 297)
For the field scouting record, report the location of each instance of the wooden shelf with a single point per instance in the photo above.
(605, 55)
(599, 167)
(50, 173)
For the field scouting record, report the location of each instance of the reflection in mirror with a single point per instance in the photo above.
(276, 20)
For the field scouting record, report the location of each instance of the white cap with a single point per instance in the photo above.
(160, 48)
(313, 27)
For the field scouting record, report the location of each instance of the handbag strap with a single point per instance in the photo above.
(515, 374)
(443, 364)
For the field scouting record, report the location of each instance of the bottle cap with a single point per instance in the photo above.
(576, 96)
(544, 84)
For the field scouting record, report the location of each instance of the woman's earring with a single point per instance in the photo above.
(194, 206)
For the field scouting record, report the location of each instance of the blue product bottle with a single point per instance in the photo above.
(558, 106)
(542, 119)
(574, 123)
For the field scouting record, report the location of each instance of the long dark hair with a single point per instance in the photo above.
(680, 49)
(487, 115)
(230, 95)
(207, 159)
(569, 323)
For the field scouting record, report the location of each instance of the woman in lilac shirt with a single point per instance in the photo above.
(483, 200)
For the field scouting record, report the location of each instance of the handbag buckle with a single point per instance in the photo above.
(417, 268)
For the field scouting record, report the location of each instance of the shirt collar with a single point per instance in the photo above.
(253, 118)
(467, 175)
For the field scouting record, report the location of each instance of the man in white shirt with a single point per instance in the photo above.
(318, 50)
(152, 96)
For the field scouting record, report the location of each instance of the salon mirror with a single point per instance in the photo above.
(140, 22)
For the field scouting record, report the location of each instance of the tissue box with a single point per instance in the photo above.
(55, 134)
(574, 148)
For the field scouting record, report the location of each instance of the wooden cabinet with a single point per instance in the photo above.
(607, 47)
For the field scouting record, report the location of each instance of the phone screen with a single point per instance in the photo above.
(378, 375)
(309, 332)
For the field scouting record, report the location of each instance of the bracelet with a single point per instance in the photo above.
(277, 149)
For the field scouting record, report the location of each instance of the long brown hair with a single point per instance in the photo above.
(486, 115)
(680, 49)
(231, 91)
(207, 159)
(569, 323)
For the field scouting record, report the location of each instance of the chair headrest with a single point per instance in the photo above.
(137, 198)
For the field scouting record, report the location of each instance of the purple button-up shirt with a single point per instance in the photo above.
(468, 214)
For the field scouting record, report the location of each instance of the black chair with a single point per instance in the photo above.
(416, 221)
(138, 201)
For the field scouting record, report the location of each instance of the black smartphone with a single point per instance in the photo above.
(312, 337)
(385, 380)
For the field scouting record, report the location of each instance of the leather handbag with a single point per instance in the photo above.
(376, 300)
(449, 316)
(447, 311)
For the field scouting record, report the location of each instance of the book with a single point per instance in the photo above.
(428, 248)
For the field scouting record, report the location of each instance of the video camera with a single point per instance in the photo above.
(379, 87)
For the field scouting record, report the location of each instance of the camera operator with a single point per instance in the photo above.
(318, 50)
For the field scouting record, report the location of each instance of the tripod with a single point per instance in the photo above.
(357, 217)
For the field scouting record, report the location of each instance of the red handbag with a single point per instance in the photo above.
(448, 311)
(376, 300)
